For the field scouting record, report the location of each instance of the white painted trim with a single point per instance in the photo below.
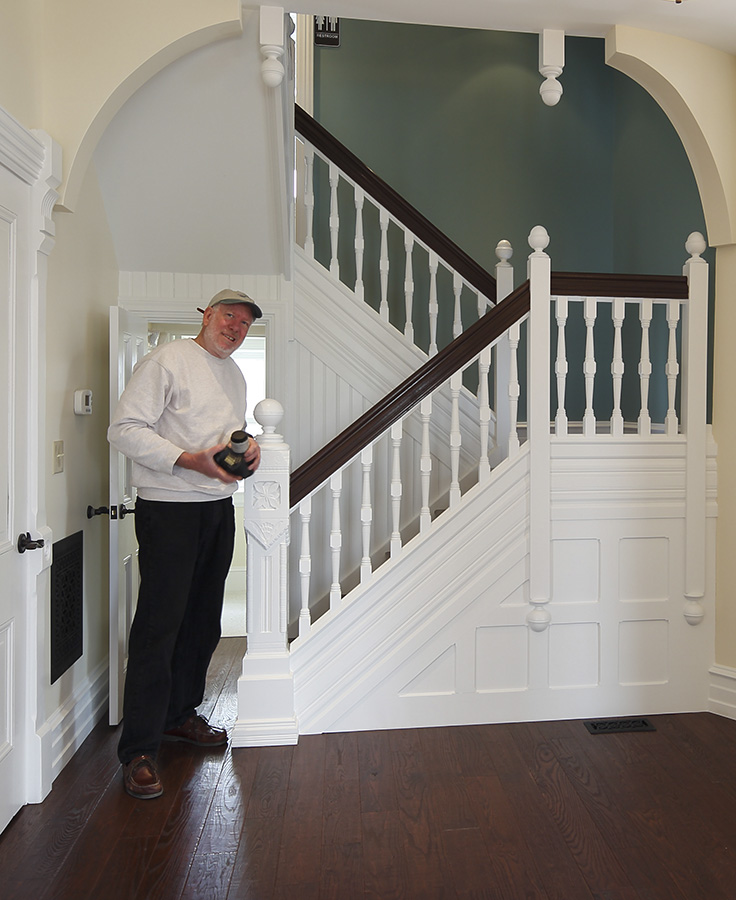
(66, 730)
(20, 150)
(722, 691)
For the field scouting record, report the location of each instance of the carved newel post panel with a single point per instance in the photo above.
(265, 689)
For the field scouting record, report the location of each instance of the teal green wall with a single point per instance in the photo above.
(453, 120)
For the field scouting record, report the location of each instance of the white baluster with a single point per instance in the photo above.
(456, 382)
(409, 286)
(589, 366)
(309, 198)
(366, 513)
(482, 304)
(383, 264)
(561, 310)
(433, 305)
(672, 368)
(305, 566)
(484, 413)
(644, 424)
(425, 464)
(514, 388)
(359, 242)
(457, 288)
(396, 488)
(335, 538)
(502, 350)
(334, 220)
(617, 367)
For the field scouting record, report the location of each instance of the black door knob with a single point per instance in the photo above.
(26, 543)
(99, 511)
(124, 511)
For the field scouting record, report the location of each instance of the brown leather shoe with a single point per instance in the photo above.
(141, 779)
(197, 730)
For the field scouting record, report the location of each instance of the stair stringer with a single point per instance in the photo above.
(362, 664)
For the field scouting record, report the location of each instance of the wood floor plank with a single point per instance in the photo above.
(341, 813)
(271, 783)
(384, 862)
(256, 862)
(470, 865)
(341, 756)
(558, 870)
(342, 871)
(599, 865)
(376, 776)
(514, 867)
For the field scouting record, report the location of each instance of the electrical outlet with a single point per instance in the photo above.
(58, 457)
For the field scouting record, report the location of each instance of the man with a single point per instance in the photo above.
(183, 401)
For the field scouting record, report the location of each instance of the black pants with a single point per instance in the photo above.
(185, 551)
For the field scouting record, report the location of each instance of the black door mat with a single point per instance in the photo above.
(618, 726)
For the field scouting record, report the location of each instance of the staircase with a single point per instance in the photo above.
(486, 542)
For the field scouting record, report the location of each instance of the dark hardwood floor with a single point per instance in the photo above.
(541, 810)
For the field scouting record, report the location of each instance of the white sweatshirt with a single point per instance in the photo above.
(179, 397)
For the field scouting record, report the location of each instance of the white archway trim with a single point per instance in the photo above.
(696, 87)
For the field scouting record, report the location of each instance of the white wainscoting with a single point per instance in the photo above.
(440, 637)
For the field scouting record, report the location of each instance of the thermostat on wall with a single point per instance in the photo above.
(83, 402)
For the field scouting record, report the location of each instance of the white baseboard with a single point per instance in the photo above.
(722, 691)
(64, 732)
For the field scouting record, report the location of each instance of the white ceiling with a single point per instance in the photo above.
(184, 166)
(708, 21)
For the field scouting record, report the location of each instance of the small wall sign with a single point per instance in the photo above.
(326, 31)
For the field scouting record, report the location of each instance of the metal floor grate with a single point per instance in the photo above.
(618, 726)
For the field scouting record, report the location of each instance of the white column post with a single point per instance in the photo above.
(501, 404)
(694, 387)
(272, 44)
(266, 689)
(538, 419)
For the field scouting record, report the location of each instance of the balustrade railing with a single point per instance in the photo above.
(370, 238)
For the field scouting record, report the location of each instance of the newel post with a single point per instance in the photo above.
(266, 687)
(538, 419)
(694, 387)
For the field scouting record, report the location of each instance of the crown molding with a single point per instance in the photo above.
(20, 151)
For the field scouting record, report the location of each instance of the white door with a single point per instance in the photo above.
(18, 571)
(128, 344)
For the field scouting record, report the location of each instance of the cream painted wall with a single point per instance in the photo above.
(696, 86)
(96, 53)
(724, 431)
(82, 285)
(18, 46)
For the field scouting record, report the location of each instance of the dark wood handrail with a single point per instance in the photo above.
(406, 396)
(594, 284)
(461, 351)
(384, 194)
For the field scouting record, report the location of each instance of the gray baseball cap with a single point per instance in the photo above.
(229, 297)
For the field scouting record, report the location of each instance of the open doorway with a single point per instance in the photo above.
(251, 359)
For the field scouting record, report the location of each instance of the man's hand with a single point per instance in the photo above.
(253, 454)
(203, 461)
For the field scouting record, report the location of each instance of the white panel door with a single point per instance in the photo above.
(17, 576)
(128, 344)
